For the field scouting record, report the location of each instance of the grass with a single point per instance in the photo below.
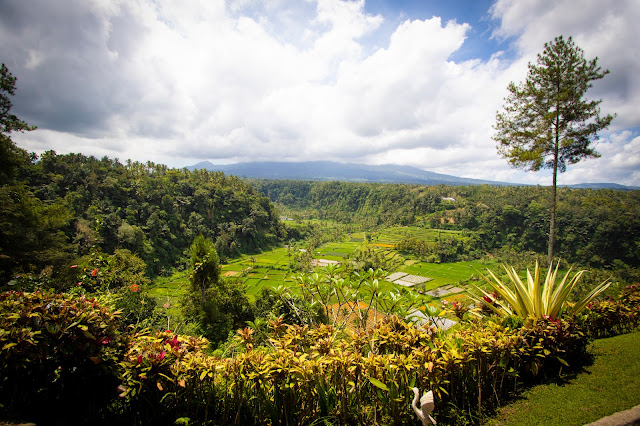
(395, 234)
(447, 273)
(271, 268)
(610, 385)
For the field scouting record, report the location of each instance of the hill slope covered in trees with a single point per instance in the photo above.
(60, 207)
(596, 228)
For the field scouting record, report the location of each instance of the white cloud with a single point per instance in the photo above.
(606, 29)
(620, 161)
(182, 81)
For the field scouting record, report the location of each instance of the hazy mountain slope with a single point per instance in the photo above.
(326, 170)
(352, 172)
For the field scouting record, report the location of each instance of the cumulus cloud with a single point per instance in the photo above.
(247, 80)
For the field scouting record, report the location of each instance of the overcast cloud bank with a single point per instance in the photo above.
(178, 82)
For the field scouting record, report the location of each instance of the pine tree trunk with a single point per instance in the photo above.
(552, 227)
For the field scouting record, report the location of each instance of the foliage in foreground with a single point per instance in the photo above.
(58, 352)
(535, 298)
(300, 375)
(612, 317)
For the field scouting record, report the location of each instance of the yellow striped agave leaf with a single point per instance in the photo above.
(535, 298)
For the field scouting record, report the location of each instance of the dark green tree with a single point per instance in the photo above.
(30, 230)
(11, 157)
(215, 305)
(205, 265)
(547, 122)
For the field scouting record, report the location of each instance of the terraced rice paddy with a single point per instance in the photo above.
(271, 269)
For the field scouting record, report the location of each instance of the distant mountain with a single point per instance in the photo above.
(603, 186)
(329, 171)
(352, 172)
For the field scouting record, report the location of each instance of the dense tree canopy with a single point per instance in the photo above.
(598, 228)
(30, 236)
(151, 210)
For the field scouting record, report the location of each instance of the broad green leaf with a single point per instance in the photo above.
(377, 383)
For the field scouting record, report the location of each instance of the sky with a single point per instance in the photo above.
(407, 82)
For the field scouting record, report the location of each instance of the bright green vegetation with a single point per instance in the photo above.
(597, 229)
(610, 385)
(168, 290)
(535, 296)
(397, 233)
(447, 273)
(271, 268)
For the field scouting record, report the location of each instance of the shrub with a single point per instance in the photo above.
(306, 374)
(300, 375)
(538, 298)
(136, 306)
(58, 353)
(166, 376)
(612, 317)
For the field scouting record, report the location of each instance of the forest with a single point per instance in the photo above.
(60, 207)
(597, 228)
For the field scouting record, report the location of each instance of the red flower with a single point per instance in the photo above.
(94, 272)
(74, 266)
(79, 284)
(134, 287)
(139, 359)
(104, 340)
(161, 355)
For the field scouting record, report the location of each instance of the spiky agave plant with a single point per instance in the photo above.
(535, 297)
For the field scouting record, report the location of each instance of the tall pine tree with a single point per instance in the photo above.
(547, 122)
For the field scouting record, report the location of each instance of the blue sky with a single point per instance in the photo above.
(414, 83)
(479, 42)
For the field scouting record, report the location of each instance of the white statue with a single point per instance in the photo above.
(425, 408)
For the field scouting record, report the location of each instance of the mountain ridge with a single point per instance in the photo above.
(365, 173)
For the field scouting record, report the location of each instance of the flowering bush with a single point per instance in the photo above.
(611, 317)
(163, 374)
(298, 375)
(362, 377)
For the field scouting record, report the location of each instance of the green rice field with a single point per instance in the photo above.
(271, 268)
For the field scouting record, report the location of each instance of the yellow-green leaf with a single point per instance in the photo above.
(377, 383)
